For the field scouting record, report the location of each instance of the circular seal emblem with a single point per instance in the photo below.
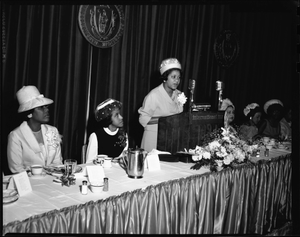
(101, 25)
(226, 48)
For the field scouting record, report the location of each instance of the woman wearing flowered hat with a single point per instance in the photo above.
(110, 139)
(34, 141)
(229, 115)
(249, 129)
(163, 100)
(270, 127)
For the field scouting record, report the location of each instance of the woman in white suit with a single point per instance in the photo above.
(34, 141)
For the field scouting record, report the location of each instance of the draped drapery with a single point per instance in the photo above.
(43, 46)
(250, 199)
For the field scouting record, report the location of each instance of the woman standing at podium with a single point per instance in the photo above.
(161, 101)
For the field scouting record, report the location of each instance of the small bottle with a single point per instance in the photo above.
(257, 153)
(105, 187)
(266, 152)
(84, 188)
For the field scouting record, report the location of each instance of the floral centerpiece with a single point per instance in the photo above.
(222, 149)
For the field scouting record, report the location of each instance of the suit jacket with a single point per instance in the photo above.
(23, 149)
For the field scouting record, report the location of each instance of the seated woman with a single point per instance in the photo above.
(286, 125)
(110, 139)
(249, 129)
(270, 127)
(34, 141)
(229, 115)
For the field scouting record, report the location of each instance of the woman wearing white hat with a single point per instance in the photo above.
(34, 141)
(270, 127)
(163, 100)
(249, 129)
(110, 139)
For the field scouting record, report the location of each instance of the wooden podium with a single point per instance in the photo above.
(186, 130)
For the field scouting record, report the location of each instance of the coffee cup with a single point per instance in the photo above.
(272, 141)
(36, 169)
(266, 140)
(107, 162)
(100, 159)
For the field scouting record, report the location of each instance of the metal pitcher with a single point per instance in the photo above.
(133, 162)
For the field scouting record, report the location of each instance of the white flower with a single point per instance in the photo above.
(206, 155)
(53, 138)
(228, 159)
(181, 98)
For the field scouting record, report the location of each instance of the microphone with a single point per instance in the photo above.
(192, 84)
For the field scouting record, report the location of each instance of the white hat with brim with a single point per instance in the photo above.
(271, 102)
(169, 63)
(29, 98)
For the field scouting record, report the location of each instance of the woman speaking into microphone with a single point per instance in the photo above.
(164, 100)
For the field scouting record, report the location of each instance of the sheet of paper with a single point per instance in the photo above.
(153, 162)
(21, 183)
(95, 174)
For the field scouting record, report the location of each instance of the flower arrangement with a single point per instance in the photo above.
(181, 98)
(222, 149)
(53, 138)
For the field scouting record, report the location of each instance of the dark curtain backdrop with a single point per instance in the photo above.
(42, 45)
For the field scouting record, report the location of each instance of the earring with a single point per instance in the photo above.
(29, 115)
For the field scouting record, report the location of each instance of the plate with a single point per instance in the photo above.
(7, 200)
(9, 193)
(10, 196)
(58, 171)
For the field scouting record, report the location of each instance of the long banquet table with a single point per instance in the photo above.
(249, 199)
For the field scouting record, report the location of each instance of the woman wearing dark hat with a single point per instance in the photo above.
(110, 139)
(163, 100)
(270, 127)
(34, 141)
(249, 129)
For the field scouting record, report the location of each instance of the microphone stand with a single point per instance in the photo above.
(191, 101)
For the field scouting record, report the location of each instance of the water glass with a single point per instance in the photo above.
(70, 166)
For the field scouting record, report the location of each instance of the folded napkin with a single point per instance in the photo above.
(95, 175)
(152, 159)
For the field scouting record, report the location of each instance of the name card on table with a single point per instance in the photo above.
(21, 183)
(95, 174)
(152, 160)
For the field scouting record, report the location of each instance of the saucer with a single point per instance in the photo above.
(38, 176)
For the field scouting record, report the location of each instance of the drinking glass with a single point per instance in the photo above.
(70, 166)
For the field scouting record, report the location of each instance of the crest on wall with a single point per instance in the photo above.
(101, 25)
(226, 48)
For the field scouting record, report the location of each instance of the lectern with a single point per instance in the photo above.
(186, 130)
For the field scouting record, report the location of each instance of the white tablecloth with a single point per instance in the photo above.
(47, 195)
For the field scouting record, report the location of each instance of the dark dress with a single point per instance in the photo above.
(111, 145)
